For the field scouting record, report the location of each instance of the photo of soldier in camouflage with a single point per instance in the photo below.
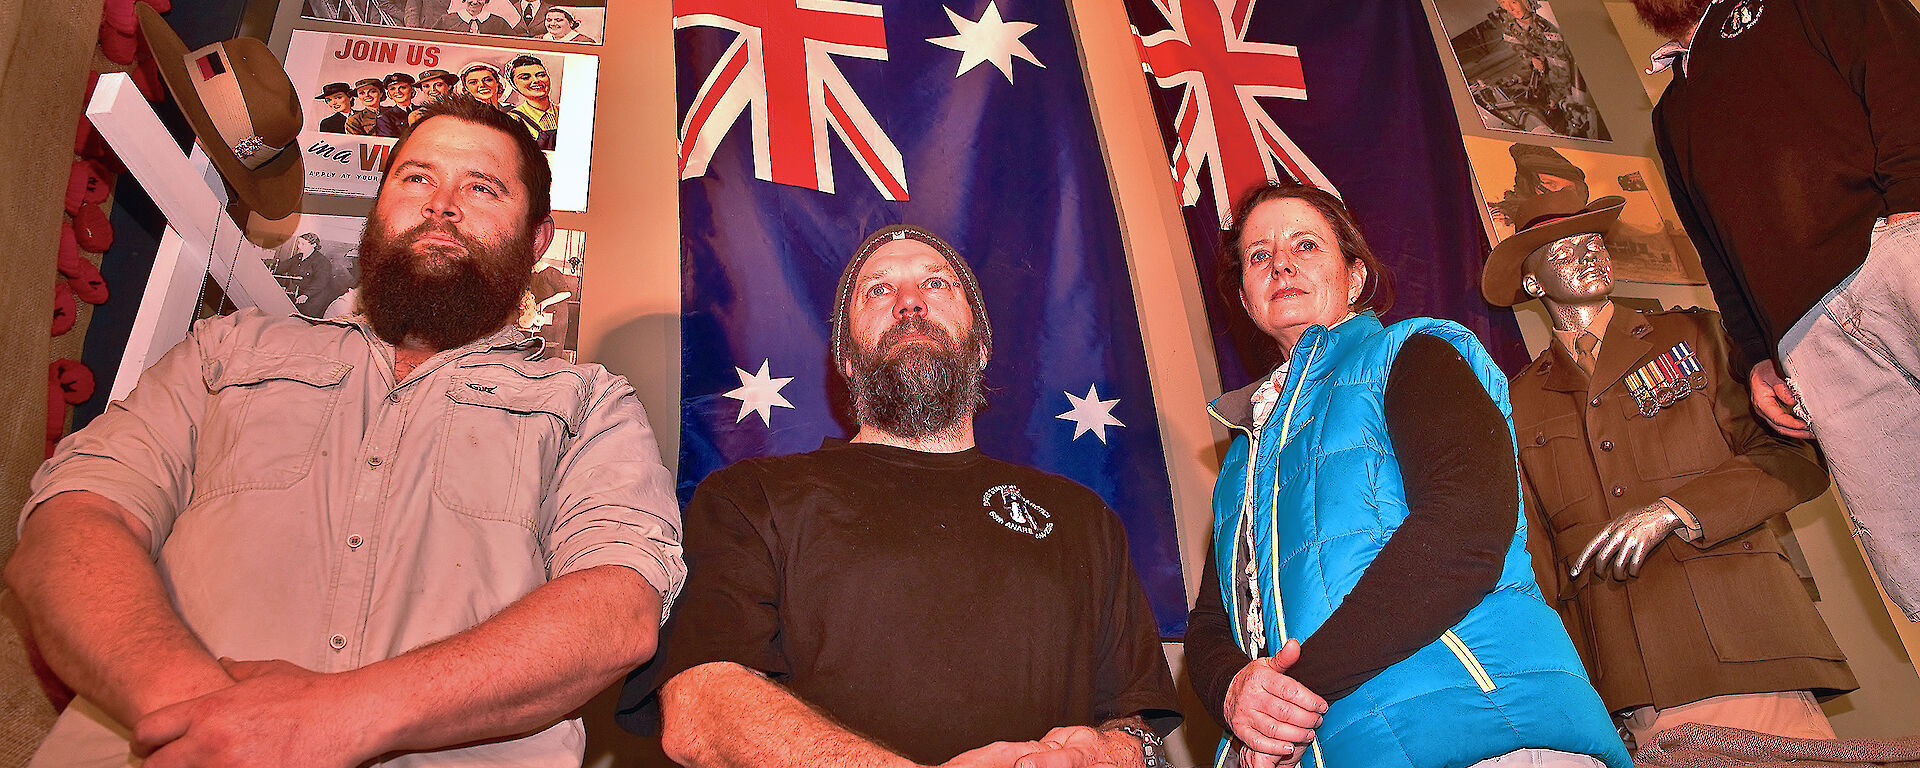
(1518, 69)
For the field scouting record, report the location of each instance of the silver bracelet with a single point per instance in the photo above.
(1151, 746)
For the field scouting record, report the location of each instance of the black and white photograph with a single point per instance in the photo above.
(573, 22)
(1519, 71)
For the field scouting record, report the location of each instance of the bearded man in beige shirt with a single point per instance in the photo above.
(393, 537)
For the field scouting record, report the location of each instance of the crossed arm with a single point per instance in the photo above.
(724, 715)
(97, 607)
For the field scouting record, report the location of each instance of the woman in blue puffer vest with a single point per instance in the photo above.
(1368, 600)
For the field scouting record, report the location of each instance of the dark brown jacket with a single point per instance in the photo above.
(1720, 615)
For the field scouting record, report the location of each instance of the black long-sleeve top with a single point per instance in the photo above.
(1456, 459)
(1783, 142)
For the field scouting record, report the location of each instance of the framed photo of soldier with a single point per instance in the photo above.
(575, 21)
(1647, 243)
(358, 93)
(319, 268)
(1519, 73)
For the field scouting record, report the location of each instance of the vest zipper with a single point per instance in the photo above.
(1273, 505)
(1273, 570)
(1460, 649)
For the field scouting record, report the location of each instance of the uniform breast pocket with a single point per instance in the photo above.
(1678, 440)
(1554, 454)
(265, 419)
(504, 436)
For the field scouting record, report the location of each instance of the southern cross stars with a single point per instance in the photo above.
(1091, 414)
(759, 394)
(989, 40)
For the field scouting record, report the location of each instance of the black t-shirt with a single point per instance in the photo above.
(931, 602)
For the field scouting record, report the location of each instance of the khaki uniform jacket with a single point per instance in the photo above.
(1722, 614)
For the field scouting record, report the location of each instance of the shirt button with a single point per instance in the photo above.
(338, 642)
(1595, 403)
(354, 541)
(373, 461)
(1619, 491)
(1539, 439)
(393, 397)
(1747, 545)
(1606, 445)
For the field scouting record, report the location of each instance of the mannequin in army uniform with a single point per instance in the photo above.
(1652, 493)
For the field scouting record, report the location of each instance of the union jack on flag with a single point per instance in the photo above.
(781, 69)
(1222, 127)
(1379, 130)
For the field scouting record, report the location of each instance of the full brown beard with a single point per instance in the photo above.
(919, 391)
(475, 295)
(1671, 18)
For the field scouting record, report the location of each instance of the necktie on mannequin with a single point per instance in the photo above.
(1583, 350)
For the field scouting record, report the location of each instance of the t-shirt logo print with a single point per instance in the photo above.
(1011, 508)
(1742, 18)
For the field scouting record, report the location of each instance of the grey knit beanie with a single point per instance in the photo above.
(842, 335)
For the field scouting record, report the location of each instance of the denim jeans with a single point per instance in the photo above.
(1854, 359)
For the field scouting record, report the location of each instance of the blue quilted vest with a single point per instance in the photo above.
(1327, 494)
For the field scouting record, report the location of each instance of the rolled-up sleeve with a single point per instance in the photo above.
(611, 502)
(139, 454)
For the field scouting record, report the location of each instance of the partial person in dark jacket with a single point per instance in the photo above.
(1791, 137)
(1367, 531)
(1654, 496)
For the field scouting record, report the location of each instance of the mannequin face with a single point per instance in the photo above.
(1571, 270)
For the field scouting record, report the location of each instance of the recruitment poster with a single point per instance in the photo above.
(356, 92)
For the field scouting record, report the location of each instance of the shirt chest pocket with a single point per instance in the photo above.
(504, 436)
(265, 419)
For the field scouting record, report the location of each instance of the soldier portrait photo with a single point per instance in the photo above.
(1645, 245)
(1519, 71)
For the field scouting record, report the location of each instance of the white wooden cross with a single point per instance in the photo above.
(200, 240)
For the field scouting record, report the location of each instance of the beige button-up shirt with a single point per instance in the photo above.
(305, 506)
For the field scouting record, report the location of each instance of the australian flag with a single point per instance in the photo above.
(1346, 95)
(806, 125)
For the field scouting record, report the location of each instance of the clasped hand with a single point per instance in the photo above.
(1067, 747)
(1272, 715)
(275, 714)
